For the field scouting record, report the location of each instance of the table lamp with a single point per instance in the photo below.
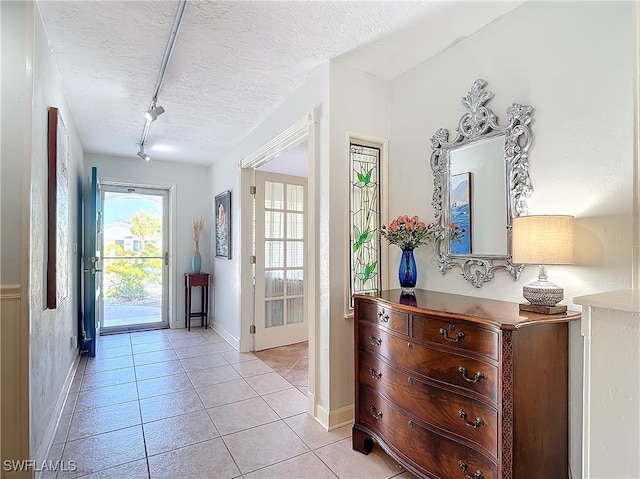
(542, 240)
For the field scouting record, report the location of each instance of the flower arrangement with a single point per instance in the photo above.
(408, 233)
(198, 226)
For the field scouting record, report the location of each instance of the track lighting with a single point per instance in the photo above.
(142, 154)
(154, 112)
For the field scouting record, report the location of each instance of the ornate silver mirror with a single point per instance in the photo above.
(480, 182)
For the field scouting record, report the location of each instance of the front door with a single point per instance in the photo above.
(93, 263)
(281, 262)
(135, 257)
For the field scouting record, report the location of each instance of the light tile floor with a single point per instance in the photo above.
(184, 404)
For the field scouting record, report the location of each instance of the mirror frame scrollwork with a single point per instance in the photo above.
(480, 122)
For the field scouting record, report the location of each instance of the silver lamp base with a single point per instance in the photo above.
(543, 295)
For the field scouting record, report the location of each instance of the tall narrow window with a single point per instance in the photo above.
(365, 219)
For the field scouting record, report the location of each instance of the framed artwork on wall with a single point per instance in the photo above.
(222, 215)
(57, 210)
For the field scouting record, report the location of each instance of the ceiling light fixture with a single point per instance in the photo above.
(142, 154)
(154, 111)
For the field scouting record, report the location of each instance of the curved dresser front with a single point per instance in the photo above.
(460, 387)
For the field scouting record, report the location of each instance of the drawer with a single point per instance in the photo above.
(198, 280)
(448, 368)
(468, 418)
(457, 334)
(434, 454)
(384, 316)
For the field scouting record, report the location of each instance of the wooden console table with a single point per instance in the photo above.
(192, 280)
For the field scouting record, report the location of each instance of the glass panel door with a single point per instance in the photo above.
(134, 252)
(280, 260)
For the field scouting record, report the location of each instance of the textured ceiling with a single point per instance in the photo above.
(232, 65)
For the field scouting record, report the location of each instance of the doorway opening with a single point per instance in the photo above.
(135, 257)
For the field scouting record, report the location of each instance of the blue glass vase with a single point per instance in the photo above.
(196, 262)
(407, 272)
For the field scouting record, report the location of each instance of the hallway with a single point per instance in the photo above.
(173, 403)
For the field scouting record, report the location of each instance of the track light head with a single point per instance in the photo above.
(142, 154)
(153, 113)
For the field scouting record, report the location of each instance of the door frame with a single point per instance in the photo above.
(172, 281)
(166, 237)
(306, 127)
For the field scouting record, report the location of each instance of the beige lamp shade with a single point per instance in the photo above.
(542, 240)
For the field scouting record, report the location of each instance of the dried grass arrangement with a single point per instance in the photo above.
(198, 226)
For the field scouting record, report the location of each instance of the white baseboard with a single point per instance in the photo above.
(42, 454)
(321, 415)
(331, 419)
(231, 339)
(341, 417)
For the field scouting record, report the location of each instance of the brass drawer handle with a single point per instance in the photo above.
(475, 424)
(376, 415)
(374, 341)
(452, 327)
(476, 379)
(464, 467)
(383, 317)
(374, 374)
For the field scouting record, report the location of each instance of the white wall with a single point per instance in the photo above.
(234, 276)
(190, 197)
(17, 57)
(359, 105)
(572, 62)
(52, 357)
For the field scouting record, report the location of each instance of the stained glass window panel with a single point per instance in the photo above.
(365, 219)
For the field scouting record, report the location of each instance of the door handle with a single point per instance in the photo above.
(92, 270)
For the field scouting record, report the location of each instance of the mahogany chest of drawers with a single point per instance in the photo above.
(460, 387)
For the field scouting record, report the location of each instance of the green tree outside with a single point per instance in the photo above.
(131, 274)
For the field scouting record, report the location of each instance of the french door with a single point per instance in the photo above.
(281, 262)
(135, 257)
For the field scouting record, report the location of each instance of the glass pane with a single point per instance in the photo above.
(295, 226)
(133, 288)
(295, 254)
(132, 224)
(295, 310)
(274, 254)
(273, 224)
(273, 313)
(273, 195)
(295, 197)
(295, 282)
(364, 219)
(273, 283)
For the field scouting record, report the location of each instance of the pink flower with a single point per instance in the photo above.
(408, 232)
